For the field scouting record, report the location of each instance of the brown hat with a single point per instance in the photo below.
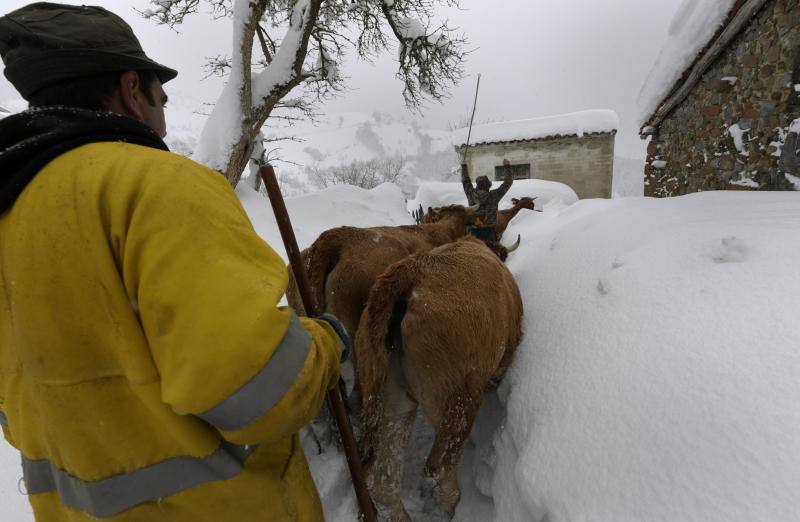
(44, 43)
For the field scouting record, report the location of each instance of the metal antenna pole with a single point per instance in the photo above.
(301, 278)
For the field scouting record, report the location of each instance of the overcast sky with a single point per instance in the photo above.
(536, 58)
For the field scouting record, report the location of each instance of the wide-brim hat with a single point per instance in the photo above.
(45, 43)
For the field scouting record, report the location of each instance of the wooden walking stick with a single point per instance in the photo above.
(472, 117)
(303, 287)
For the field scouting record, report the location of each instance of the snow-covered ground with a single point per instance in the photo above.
(657, 376)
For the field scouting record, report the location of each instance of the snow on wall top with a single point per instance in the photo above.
(691, 29)
(573, 123)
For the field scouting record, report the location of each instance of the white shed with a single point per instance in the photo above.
(576, 149)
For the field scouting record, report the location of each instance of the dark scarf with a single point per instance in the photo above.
(31, 139)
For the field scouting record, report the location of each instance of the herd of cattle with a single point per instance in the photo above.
(435, 317)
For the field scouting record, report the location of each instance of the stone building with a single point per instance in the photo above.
(576, 149)
(730, 119)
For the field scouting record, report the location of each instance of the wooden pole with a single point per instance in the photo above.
(472, 117)
(304, 288)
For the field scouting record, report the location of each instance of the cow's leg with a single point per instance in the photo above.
(385, 470)
(456, 417)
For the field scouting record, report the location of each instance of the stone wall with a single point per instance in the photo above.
(730, 132)
(584, 163)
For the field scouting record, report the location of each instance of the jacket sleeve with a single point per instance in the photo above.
(207, 287)
(467, 184)
(508, 179)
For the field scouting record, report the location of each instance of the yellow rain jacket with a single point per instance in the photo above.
(146, 371)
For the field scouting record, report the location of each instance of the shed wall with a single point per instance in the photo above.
(585, 163)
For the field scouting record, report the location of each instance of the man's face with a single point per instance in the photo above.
(153, 115)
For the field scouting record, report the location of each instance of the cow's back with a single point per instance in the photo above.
(463, 315)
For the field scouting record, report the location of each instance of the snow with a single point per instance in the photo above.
(15, 506)
(657, 376)
(312, 214)
(223, 127)
(693, 25)
(410, 28)
(659, 164)
(570, 124)
(439, 194)
(628, 177)
(793, 179)
(737, 133)
(657, 379)
(745, 181)
(332, 140)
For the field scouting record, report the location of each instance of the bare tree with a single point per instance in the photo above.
(315, 36)
(365, 174)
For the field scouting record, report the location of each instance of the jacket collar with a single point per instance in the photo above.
(31, 139)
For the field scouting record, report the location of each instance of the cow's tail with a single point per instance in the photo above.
(379, 340)
(322, 257)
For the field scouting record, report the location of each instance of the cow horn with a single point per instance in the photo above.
(473, 208)
(515, 245)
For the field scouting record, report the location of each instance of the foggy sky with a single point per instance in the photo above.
(536, 58)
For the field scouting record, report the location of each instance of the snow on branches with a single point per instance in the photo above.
(300, 44)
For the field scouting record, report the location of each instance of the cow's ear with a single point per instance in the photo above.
(514, 201)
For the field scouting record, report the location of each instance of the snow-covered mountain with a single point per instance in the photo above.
(331, 140)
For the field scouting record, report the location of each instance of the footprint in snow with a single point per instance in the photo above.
(729, 250)
(602, 286)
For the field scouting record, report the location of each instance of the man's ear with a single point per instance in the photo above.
(130, 94)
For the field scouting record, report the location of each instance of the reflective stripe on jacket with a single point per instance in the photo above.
(146, 371)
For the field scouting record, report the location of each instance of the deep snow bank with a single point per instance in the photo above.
(658, 375)
(438, 194)
(312, 214)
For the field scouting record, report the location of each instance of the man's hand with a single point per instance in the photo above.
(340, 331)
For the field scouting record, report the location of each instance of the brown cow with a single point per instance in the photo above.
(503, 217)
(344, 262)
(437, 329)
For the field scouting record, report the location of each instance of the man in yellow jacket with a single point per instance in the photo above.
(146, 371)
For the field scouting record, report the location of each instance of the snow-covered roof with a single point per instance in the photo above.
(571, 124)
(695, 23)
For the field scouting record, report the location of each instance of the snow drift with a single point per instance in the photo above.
(439, 194)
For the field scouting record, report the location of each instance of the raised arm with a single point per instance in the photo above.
(467, 184)
(508, 179)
